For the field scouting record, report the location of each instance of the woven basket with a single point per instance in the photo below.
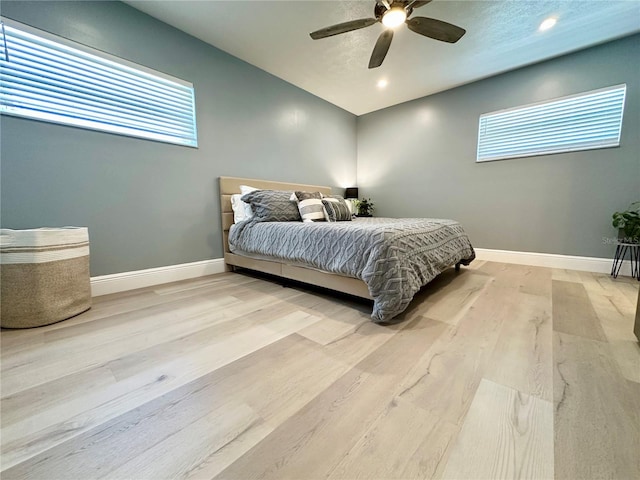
(44, 275)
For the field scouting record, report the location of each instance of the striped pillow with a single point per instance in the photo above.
(336, 210)
(309, 205)
(349, 202)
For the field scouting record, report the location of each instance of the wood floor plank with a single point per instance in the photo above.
(87, 351)
(436, 400)
(522, 357)
(405, 441)
(301, 389)
(33, 400)
(573, 312)
(634, 388)
(628, 287)
(604, 286)
(15, 341)
(221, 281)
(99, 451)
(145, 328)
(599, 284)
(616, 316)
(616, 321)
(565, 275)
(305, 445)
(22, 440)
(290, 389)
(337, 324)
(42, 397)
(596, 418)
(355, 345)
(476, 264)
(627, 355)
(516, 434)
(617, 324)
(524, 278)
(195, 450)
(101, 379)
(451, 295)
(430, 399)
(109, 308)
(294, 366)
(191, 341)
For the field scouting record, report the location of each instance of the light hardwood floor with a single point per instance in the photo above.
(496, 371)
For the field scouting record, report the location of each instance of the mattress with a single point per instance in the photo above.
(394, 257)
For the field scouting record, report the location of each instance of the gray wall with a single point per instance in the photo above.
(418, 159)
(150, 204)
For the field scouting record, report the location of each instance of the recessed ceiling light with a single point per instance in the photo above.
(547, 24)
(382, 83)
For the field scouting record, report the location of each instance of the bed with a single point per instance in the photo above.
(381, 259)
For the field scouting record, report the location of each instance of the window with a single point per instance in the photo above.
(48, 78)
(579, 122)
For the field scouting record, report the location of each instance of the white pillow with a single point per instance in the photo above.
(350, 204)
(244, 189)
(238, 207)
(241, 210)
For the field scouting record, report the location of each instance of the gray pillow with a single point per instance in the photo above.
(272, 206)
(337, 210)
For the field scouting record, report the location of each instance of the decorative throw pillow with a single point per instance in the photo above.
(309, 205)
(336, 210)
(272, 206)
(349, 202)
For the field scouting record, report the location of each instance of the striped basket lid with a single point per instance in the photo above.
(39, 245)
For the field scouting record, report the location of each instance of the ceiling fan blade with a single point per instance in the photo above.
(416, 4)
(437, 29)
(381, 48)
(342, 28)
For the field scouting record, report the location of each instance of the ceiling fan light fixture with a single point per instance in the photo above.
(394, 16)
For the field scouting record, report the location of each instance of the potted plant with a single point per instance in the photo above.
(628, 224)
(364, 207)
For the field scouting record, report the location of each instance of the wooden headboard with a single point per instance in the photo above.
(231, 185)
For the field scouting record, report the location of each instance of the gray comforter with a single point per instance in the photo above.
(395, 257)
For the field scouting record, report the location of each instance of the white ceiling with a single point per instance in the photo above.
(501, 35)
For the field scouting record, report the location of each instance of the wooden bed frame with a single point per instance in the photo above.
(230, 186)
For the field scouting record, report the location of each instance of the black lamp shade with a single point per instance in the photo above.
(351, 192)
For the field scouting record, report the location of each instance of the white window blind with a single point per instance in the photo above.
(45, 78)
(579, 122)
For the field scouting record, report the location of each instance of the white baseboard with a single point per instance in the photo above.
(567, 262)
(120, 282)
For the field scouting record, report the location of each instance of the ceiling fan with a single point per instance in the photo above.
(392, 13)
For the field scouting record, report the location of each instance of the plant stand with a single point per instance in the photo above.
(634, 255)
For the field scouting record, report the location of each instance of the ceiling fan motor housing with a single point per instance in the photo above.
(378, 10)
